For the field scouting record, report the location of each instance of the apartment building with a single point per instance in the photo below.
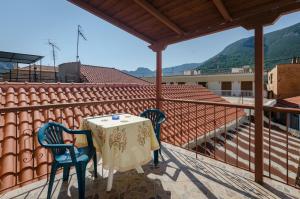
(231, 84)
(283, 85)
(283, 81)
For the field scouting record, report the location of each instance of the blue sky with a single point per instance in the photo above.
(27, 25)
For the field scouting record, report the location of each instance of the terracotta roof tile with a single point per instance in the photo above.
(97, 74)
(21, 125)
(291, 102)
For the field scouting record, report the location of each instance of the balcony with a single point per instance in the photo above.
(208, 151)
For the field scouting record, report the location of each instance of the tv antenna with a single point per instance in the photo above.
(79, 34)
(54, 48)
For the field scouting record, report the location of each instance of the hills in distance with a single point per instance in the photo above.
(279, 47)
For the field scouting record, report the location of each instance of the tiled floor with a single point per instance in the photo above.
(180, 175)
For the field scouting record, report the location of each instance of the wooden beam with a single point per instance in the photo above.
(249, 20)
(263, 19)
(110, 19)
(197, 33)
(222, 9)
(159, 16)
(258, 107)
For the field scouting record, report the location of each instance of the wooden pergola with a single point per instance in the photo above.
(164, 22)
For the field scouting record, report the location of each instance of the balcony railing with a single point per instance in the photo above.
(226, 132)
(210, 129)
(282, 146)
(222, 131)
(234, 93)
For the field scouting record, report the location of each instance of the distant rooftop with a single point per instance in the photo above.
(99, 74)
(290, 102)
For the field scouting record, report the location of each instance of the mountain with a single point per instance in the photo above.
(141, 72)
(175, 70)
(279, 47)
(178, 70)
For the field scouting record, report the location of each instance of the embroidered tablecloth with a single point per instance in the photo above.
(124, 144)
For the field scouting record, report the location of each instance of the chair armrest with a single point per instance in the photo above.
(70, 131)
(88, 135)
(77, 132)
(163, 120)
(66, 146)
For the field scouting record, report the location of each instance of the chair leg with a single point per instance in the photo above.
(80, 170)
(155, 158)
(159, 150)
(95, 164)
(66, 173)
(51, 181)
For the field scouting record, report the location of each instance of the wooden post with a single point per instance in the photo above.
(259, 78)
(158, 50)
(158, 78)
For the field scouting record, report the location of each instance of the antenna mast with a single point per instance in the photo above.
(79, 34)
(54, 47)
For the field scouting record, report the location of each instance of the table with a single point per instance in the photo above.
(124, 144)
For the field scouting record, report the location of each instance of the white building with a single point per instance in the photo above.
(191, 72)
(232, 84)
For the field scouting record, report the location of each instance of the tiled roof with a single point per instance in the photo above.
(18, 145)
(97, 74)
(291, 102)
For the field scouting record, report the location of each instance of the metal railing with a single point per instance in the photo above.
(281, 146)
(234, 93)
(226, 132)
(210, 129)
(27, 76)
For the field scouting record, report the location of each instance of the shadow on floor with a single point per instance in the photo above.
(193, 168)
(126, 185)
(278, 193)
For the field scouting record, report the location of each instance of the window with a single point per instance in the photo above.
(181, 83)
(204, 84)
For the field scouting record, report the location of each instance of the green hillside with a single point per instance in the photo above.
(279, 47)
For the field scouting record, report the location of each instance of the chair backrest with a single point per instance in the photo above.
(52, 133)
(156, 116)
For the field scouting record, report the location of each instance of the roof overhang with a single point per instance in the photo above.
(164, 22)
(18, 58)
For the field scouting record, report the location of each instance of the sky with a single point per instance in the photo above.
(27, 25)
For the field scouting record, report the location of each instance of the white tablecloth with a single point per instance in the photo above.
(124, 144)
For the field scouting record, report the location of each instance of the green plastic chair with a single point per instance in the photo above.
(50, 136)
(157, 118)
